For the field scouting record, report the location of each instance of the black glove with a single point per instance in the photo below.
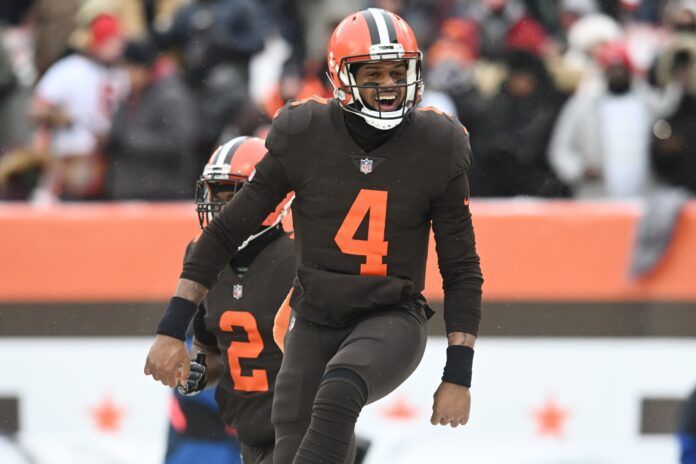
(197, 377)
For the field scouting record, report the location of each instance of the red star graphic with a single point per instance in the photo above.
(550, 419)
(107, 415)
(400, 410)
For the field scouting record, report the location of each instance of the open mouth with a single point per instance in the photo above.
(387, 101)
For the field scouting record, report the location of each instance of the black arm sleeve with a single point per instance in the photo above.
(240, 218)
(457, 258)
(200, 331)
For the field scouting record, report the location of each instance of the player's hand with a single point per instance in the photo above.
(197, 377)
(451, 405)
(168, 361)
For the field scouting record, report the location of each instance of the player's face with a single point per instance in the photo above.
(223, 196)
(223, 191)
(381, 79)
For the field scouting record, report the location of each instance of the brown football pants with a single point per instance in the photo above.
(383, 349)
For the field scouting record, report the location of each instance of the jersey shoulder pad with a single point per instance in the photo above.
(460, 146)
(449, 135)
(435, 125)
(293, 119)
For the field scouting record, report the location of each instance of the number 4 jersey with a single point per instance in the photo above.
(362, 220)
(239, 311)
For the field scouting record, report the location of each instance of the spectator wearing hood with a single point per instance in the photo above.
(151, 145)
(600, 144)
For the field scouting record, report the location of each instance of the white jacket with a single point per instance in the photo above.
(577, 143)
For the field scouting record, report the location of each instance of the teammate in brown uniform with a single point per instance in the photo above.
(233, 326)
(371, 175)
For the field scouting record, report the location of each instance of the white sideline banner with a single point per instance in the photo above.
(535, 401)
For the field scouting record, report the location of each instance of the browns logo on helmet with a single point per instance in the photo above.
(369, 36)
(229, 167)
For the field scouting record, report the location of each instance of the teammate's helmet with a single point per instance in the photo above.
(374, 35)
(230, 166)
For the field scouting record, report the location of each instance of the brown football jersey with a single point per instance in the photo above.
(362, 220)
(239, 311)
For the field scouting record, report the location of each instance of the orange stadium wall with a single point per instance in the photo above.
(530, 251)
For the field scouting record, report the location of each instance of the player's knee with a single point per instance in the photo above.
(341, 385)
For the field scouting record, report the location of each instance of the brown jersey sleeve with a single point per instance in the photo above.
(240, 218)
(456, 246)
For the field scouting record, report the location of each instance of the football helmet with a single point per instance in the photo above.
(229, 167)
(374, 35)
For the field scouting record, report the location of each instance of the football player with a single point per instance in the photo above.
(233, 326)
(371, 174)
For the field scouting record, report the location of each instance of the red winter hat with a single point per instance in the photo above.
(102, 28)
(527, 35)
(613, 54)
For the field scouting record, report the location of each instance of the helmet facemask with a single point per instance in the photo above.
(349, 92)
(212, 194)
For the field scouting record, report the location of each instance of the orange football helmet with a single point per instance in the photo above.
(229, 167)
(374, 35)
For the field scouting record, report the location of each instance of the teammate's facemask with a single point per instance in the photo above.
(374, 36)
(230, 166)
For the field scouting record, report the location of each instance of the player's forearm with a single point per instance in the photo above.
(462, 310)
(190, 290)
(461, 339)
(457, 258)
(215, 368)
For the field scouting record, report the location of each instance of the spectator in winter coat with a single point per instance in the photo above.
(151, 145)
(600, 144)
(512, 146)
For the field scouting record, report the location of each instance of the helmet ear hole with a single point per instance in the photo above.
(339, 94)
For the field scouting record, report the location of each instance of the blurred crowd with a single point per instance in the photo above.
(126, 99)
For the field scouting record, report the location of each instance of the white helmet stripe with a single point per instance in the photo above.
(381, 25)
(227, 150)
(222, 154)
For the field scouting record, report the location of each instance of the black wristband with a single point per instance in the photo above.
(460, 360)
(176, 318)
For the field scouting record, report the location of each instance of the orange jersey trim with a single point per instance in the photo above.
(282, 322)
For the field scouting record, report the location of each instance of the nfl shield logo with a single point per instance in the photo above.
(237, 291)
(366, 165)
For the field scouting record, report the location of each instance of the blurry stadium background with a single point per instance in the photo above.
(581, 114)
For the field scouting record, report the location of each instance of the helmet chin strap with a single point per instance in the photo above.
(371, 116)
(382, 124)
(280, 217)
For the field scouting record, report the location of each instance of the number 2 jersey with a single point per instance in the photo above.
(239, 312)
(362, 220)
